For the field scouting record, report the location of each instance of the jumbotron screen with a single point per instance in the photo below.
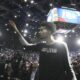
(64, 15)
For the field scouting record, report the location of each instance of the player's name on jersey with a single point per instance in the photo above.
(49, 50)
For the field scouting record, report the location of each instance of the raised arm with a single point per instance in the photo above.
(12, 23)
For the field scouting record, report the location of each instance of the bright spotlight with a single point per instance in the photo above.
(27, 24)
(51, 4)
(15, 32)
(24, 48)
(32, 1)
(78, 41)
(25, 0)
(24, 35)
(7, 29)
(65, 36)
(73, 31)
(25, 31)
(60, 38)
(15, 16)
(6, 24)
(29, 15)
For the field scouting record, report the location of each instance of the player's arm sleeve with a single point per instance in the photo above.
(68, 67)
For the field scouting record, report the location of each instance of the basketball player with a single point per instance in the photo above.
(54, 59)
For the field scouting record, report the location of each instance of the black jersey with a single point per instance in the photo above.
(53, 62)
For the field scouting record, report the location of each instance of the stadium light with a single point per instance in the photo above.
(60, 38)
(25, 31)
(78, 41)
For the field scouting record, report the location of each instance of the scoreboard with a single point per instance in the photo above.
(63, 15)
